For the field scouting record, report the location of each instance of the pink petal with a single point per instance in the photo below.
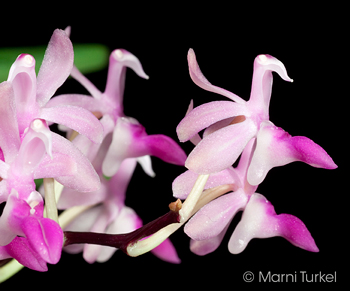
(220, 150)
(58, 165)
(9, 134)
(162, 147)
(45, 237)
(205, 115)
(76, 118)
(56, 66)
(166, 252)
(211, 219)
(183, 184)
(275, 147)
(15, 210)
(204, 247)
(77, 75)
(84, 101)
(21, 250)
(199, 79)
(260, 94)
(118, 61)
(259, 220)
(85, 179)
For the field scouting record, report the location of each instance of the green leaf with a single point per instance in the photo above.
(87, 57)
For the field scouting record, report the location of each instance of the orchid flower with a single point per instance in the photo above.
(25, 234)
(209, 225)
(30, 98)
(125, 137)
(229, 126)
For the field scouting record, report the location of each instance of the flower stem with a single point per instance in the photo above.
(122, 241)
(50, 199)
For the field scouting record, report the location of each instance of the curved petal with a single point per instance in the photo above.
(211, 219)
(9, 134)
(77, 75)
(45, 237)
(56, 66)
(166, 252)
(204, 247)
(15, 210)
(260, 94)
(199, 79)
(183, 184)
(76, 118)
(118, 61)
(58, 165)
(259, 220)
(85, 179)
(162, 147)
(205, 115)
(79, 100)
(275, 147)
(220, 150)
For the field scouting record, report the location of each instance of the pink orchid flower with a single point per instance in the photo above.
(124, 136)
(27, 100)
(209, 225)
(25, 234)
(229, 126)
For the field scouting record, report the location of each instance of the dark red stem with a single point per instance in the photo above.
(121, 241)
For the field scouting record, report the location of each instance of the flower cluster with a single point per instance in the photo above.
(86, 174)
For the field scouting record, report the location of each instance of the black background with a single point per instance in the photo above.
(311, 42)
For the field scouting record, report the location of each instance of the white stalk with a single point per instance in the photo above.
(50, 199)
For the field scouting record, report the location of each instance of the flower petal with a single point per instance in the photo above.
(45, 237)
(166, 252)
(15, 210)
(21, 250)
(205, 115)
(85, 179)
(199, 79)
(56, 66)
(259, 220)
(162, 147)
(275, 147)
(9, 134)
(204, 247)
(183, 184)
(211, 219)
(220, 150)
(84, 101)
(77, 118)
(260, 94)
